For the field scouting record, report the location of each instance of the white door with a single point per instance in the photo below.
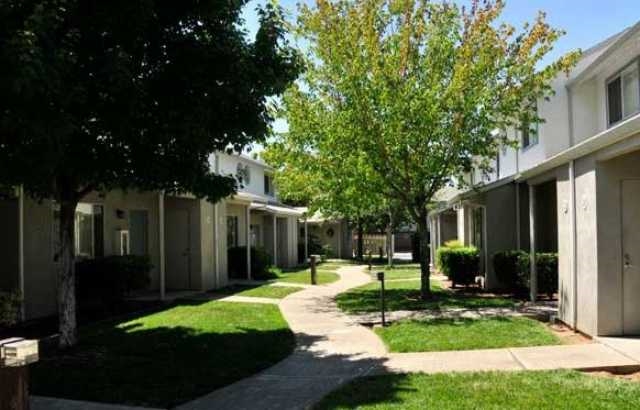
(178, 252)
(631, 257)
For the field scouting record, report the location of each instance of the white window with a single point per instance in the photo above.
(88, 231)
(268, 185)
(232, 231)
(529, 132)
(623, 94)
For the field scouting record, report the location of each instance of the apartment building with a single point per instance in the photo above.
(185, 238)
(571, 187)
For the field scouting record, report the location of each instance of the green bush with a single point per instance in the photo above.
(260, 263)
(460, 264)
(9, 308)
(111, 278)
(513, 270)
(507, 266)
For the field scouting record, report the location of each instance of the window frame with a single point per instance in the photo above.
(528, 128)
(233, 234)
(618, 75)
(268, 187)
(55, 232)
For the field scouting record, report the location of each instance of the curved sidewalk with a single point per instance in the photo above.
(333, 349)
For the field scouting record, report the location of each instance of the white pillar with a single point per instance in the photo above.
(161, 244)
(533, 280)
(306, 240)
(275, 240)
(574, 248)
(21, 251)
(248, 236)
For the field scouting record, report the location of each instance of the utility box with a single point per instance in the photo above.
(16, 352)
(15, 356)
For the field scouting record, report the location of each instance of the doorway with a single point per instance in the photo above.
(630, 256)
(178, 250)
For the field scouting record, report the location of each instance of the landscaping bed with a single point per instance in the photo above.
(168, 357)
(491, 390)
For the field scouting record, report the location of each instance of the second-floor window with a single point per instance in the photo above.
(529, 132)
(623, 94)
(268, 185)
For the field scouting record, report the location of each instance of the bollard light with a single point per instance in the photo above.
(16, 352)
(383, 307)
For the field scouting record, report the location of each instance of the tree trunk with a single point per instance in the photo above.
(423, 235)
(14, 388)
(67, 275)
(360, 251)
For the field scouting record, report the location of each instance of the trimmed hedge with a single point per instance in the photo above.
(9, 308)
(111, 278)
(512, 270)
(460, 264)
(260, 263)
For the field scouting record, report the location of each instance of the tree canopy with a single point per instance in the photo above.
(412, 92)
(97, 95)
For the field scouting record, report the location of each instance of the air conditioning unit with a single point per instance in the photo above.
(122, 242)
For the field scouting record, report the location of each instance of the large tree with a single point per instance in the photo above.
(413, 91)
(98, 95)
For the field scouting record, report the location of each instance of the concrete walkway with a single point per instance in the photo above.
(333, 349)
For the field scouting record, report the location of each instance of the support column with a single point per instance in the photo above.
(161, 244)
(518, 227)
(533, 279)
(306, 240)
(574, 248)
(248, 237)
(340, 240)
(275, 240)
(216, 244)
(21, 252)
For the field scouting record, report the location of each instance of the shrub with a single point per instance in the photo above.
(513, 269)
(9, 308)
(459, 264)
(260, 263)
(111, 278)
(507, 266)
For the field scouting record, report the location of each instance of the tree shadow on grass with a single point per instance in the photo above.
(368, 300)
(160, 364)
(372, 390)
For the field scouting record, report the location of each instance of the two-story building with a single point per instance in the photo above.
(185, 238)
(571, 187)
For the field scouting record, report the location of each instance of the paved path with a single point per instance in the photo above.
(332, 350)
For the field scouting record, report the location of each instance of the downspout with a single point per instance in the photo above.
(573, 242)
(533, 280)
(216, 233)
(518, 227)
(248, 239)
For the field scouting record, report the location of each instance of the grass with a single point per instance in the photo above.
(465, 334)
(260, 291)
(512, 391)
(169, 357)
(326, 273)
(407, 271)
(405, 295)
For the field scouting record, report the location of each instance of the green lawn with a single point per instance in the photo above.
(326, 273)
(407, 271)
(508, 391)
(406, 296)
(168, 357)
(260, 291)
(465, 334)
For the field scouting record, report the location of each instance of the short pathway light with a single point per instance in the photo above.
(314, 274)
(382, 298)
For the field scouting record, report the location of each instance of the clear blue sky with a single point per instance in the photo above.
(587, 22)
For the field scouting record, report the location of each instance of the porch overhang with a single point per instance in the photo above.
(278, 210)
